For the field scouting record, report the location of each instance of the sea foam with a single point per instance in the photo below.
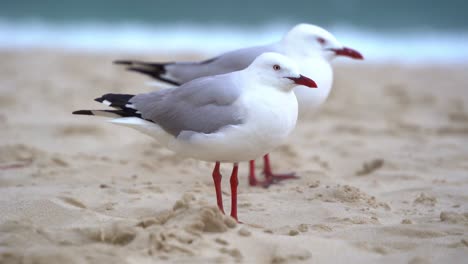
(410, 46)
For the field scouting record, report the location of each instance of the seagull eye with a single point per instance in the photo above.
(321, 40)
(276, 67)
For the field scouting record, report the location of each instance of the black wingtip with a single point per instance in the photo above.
(153, 70)
(99, 99)
(119, 100)
(148, 72)
(153, 74)
(83, 112)
(122, 62)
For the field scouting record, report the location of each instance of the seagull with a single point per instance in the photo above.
(229, 118)
(310, 46)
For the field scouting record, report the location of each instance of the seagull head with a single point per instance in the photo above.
(276, 70)
(311, 40)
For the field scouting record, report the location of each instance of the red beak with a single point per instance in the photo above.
(347, 52)
(302, 80)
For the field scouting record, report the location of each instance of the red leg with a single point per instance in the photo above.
(234, 182)
(253, 179)
(270, 176)
(217, 182)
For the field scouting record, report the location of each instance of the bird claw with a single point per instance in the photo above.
(264, 184)
(281, 177)
(271, 179)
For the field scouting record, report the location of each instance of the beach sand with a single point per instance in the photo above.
(383, 166)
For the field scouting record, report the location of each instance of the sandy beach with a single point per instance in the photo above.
(383, 173)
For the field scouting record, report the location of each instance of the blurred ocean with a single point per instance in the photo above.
(409, 31)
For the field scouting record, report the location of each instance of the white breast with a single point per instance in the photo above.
(272, 117)
(319, 70)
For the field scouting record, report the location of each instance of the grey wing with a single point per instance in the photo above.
(204, 105)
(225, 63)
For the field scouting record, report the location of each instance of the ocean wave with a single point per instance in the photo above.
(413, 46)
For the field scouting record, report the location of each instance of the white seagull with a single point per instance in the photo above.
(310, 46)
(231, 117)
